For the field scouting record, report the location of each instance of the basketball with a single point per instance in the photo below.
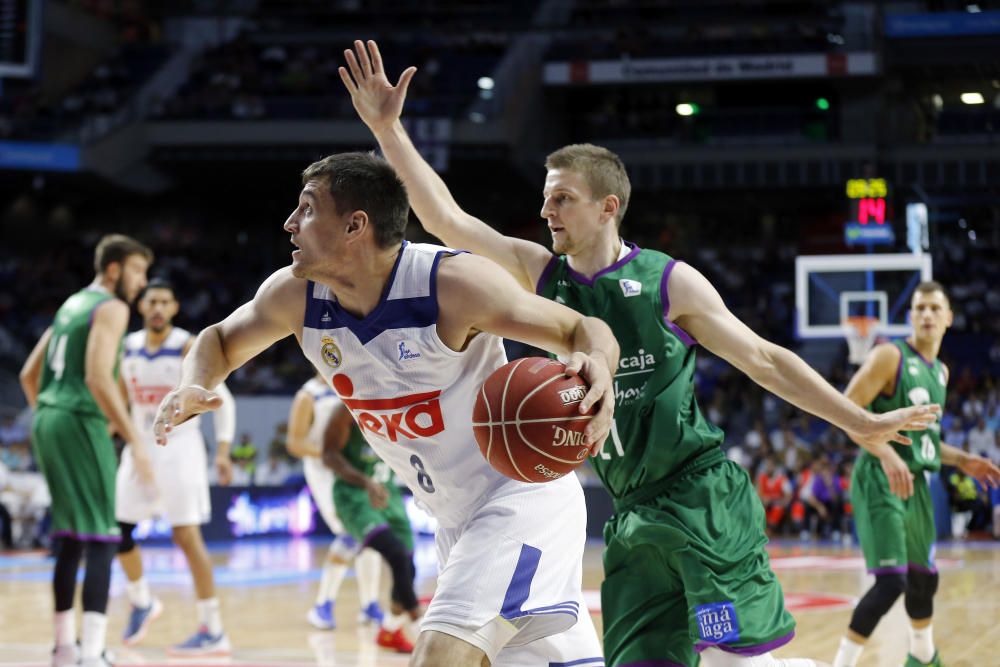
(527, 420)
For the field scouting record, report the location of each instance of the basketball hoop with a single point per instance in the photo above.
(860, 332)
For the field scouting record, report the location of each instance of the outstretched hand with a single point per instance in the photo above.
(378, 102)
(882, 428)
(180, 405)
(601, 393)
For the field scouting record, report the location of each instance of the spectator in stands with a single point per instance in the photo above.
(244, 456)
(275, 471)
(775, 493)
(967, 502)
(982, 439)
(955, 435)
(826, 499)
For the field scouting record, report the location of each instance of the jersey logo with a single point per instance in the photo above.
(717, 623)
(941, 378)
(919, 396)
(630, 287)
(330, 352)
(412, 417)
(405, 353)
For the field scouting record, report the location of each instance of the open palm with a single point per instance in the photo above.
(378, 102)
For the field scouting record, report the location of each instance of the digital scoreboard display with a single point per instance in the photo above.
(867, 212)
(20, 34)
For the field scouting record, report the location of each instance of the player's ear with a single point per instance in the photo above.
(611, 206)
(357, 223)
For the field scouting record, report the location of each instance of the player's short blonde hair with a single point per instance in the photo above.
(602, 169)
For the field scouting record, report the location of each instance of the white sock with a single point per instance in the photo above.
(329, 583)
(210, 616)
(368, 568)
(848, 653)
(922, 643)
(65, 627)
(393, 622)
(138, 593)
(93, 632)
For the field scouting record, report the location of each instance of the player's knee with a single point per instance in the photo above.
(186, 537)
(437, 648)
(127, 543)
(401, 565)
(920, 590)
(877, 602)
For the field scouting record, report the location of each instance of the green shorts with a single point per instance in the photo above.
(686, 568)
(896, 535)
(360, 519)
(75, 454)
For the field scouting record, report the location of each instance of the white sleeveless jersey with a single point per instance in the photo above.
(325, 400)
(410, 394)
(149, 376)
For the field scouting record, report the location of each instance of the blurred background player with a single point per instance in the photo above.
(311, 409)
(897, 530)
(70, 378)
(151, 367)
(369, 506)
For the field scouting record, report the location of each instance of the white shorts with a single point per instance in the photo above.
(511, 577)
(320, 481)
(181, 472)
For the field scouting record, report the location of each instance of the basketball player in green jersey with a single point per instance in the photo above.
(368, 503)
(70, 378)
(686, 571)
(897, 533)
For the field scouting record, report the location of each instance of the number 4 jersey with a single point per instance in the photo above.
(410, 394)
(918, 382)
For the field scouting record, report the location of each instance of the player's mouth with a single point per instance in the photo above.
(298, 250)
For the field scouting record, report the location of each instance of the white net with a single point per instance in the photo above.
(860, 332)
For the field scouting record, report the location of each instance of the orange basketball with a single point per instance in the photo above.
(527, 420)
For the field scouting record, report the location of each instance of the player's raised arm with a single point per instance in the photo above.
(477, 293)
(380, 104)
(697, 308)
(275, 312)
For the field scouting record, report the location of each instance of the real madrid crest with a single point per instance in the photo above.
(330, 352)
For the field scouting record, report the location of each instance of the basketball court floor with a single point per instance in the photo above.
(266, 587)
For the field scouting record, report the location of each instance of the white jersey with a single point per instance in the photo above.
(318, 476)
(410, 394)
(149, 376)
(325, 401)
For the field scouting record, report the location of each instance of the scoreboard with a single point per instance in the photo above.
(867, 217)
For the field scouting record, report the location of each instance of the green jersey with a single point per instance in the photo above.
(64, 371)
(658, 427)
(359, 454)
(918, 382)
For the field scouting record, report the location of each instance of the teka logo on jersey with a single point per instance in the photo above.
(572, 395)
(412, 417)
(563, 437)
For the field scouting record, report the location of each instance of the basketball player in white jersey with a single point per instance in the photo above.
(150, 368)
(407, 333)
(311, 409)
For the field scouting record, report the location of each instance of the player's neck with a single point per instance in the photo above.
(102, 284)
(594, 258)
(928, 348)
(360, 290)
(154, 340)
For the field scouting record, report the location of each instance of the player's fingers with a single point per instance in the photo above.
(405, 78)
(352, 64)
(900, 439)
(376, 56)
(366, 62)
(348, 81)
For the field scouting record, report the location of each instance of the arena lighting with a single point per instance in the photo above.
(823, 104)
(972, 98)
(485, 83)
(687, 109)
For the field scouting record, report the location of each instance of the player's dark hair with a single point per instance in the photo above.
(365, 182)
(159, 282)
(117, 248)
(931, 286)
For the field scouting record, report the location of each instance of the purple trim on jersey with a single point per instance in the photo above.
(597, 661)
(929, 364)
(900, 569)
(748, 651)
(434, 275)
(684, 336)
(653, 663)
(162, 352)
(377, 530)
(546, 272)
(589, 282)
(85, 537)
(923, 569)
(520, 582)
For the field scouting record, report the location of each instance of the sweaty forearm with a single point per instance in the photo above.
(953, 456)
